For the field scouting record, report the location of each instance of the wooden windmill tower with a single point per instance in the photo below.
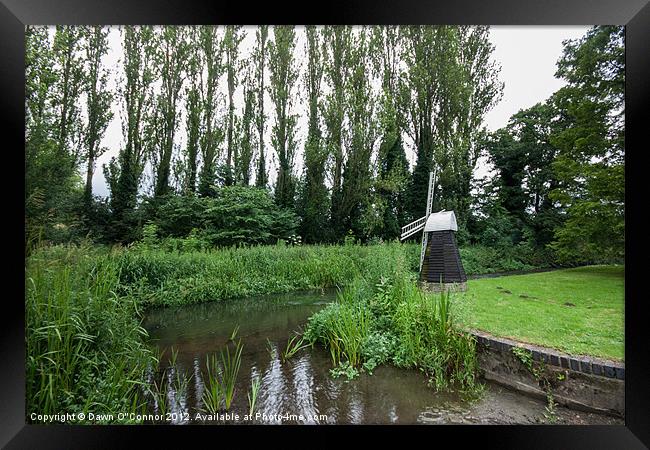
(440, 266)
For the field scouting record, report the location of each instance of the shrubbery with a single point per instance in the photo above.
(236, 215)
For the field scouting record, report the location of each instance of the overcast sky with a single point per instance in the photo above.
(527, 55)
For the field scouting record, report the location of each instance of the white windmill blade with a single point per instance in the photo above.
(413, 227)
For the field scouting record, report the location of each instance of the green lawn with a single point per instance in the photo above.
(579, 311)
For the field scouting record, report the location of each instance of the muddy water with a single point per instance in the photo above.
(301, 390)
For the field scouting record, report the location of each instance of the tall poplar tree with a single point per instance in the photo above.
(68, 57)
(212, 136)
(42, 166)
(362, 132)
(232, 39)
(336, 47)
(260, 56)
(170, 57)
(124, 173)
(314, 201)
(283, 79)
(193, 110)
(246, 134)
(98, 103)
(392, 166)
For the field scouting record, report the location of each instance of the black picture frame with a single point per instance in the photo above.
(635, 14)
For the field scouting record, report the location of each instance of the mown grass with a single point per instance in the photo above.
(579, 311)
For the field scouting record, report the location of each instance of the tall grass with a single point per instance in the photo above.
(231, 365)
(295, 343)
(253, 394)
(213, 392)
(85, 346)
(159, 278)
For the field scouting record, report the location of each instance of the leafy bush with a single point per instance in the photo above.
(236, 215)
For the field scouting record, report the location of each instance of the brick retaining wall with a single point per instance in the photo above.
(586, 383)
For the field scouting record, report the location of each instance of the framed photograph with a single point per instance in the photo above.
(382, 217)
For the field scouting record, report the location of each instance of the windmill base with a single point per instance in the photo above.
(443, 287)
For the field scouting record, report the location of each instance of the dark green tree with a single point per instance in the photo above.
(170, 60)
(260, 56)
(246, 134)
(212, 135)
(393, 171)
(231, 40)
(590, 140)
(193, 108)
(449, 86)
(336, 47)
(124, 173)
(362, 131)
(67, 55)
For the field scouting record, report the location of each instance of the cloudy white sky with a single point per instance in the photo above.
(527, 55)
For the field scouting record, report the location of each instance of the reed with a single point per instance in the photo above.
(85, 346)
(231, 364)
(295, 343)
(252, 395)
(396, 323)
(213, 393)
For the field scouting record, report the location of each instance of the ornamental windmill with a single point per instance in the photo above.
(440, 266)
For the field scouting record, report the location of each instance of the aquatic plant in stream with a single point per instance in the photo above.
(342, 327)
(159, 393)
(294, 345)
(231, 364)
(396, 323)
(252, 395)
(213, 391)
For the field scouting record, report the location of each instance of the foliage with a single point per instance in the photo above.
(284, 74)
(252, 395)
(158, 277)
(590, 140)
(313, 203)
(336, 48)
(236, 215)
(373, 94)
(449, 68)
(221, 378)
(211, 50)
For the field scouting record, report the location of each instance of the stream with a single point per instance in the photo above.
(301, 390)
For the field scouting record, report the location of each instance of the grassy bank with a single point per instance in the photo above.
(160, 278)
(579, 311)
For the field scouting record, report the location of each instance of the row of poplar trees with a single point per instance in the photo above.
(366, 95)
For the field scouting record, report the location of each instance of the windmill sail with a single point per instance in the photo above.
(418, 225)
